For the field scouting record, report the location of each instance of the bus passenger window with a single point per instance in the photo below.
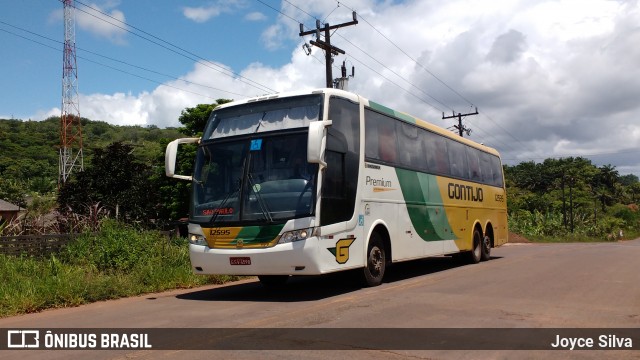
(437, 150)
(458, 160)
(386, 142)
(487, 170)
(474, 164)
(411, 151)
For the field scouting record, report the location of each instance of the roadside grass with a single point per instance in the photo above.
(582, 238)
(569, 238)
(119, 261)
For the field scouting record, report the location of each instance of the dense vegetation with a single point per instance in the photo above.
(124, 170)
(572, 199)
(29, 152)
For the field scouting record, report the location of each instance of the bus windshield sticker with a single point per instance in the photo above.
(218, 211)
(256, 145)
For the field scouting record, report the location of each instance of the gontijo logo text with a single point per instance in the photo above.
(465, 192)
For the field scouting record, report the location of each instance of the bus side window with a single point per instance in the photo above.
(487, 169)
(457, 160)
(474, 164)
(442, 158)
(497, 171)
(370, 136)
(410, 145)
(380, 137)
(386, 142)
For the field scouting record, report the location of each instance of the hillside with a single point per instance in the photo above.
(29, 149)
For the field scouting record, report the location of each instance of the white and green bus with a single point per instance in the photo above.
(316, 182)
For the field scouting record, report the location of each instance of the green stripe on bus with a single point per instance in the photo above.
(424, 205)
(253, 235)
(391, 112)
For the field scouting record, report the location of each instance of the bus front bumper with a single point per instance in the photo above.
(297, 258)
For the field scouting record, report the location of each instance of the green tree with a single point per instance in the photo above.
(13, 191)
(195, 119)
(117, 181)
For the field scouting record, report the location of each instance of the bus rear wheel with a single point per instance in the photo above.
(475, 255)
(486, 248)
(376, 261)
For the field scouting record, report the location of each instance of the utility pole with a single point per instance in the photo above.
(461, 128)
(325, 45)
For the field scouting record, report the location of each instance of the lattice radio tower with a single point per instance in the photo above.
(70, 130)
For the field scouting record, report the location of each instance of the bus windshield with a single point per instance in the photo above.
(272, 115)
(244, 177)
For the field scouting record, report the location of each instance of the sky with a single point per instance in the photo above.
(550, 78)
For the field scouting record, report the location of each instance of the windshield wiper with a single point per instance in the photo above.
(261, 202)
(217, 211)
(260, 122)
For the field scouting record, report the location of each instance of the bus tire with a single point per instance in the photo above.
(486, 248)
(474, 256)
(273, 281)
(376, 261)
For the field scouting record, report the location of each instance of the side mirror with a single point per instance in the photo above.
(170, 157)
(317, 142)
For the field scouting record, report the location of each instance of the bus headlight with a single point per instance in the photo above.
(296, 235)
(196, 239)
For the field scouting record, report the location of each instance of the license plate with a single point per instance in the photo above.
(245, 260)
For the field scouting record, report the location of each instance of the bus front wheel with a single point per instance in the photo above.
(376, 261)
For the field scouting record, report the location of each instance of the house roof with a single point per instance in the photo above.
(7, 206)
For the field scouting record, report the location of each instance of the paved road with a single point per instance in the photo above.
(523, 286)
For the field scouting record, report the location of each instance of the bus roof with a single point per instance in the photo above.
(371, 104)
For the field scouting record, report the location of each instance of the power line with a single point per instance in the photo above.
(281, 13)
(116, 69)
(395, 73)
(412, 59)
(368, 55)
(432, 74)
(117, 60)
(182, 52)
(359, 61)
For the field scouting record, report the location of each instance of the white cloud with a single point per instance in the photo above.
(203, 14)
(255, 16)
(118, 109)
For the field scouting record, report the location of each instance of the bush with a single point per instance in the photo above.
(117, 261)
